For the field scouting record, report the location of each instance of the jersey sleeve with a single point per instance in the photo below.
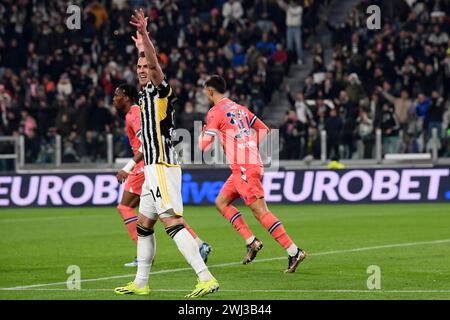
(164, 89)
(212, 122)
(251, 117)
(255, 122)
(259, 126)
(210, 130)
(135, 122)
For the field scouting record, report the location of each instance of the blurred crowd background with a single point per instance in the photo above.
(59, 81)
(396, 79)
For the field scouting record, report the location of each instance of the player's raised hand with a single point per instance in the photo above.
(138, 41)
(139, 20)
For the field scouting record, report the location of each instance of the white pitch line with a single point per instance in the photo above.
(247, 290)
(395, 245)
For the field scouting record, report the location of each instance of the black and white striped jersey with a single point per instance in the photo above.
(158, 124)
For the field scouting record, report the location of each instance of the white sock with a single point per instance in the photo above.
(250, 240)
(146, 249)
(205, 275)
(199, 241)
(292, 250)
(187, 246)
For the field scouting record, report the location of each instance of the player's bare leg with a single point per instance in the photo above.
(146, 249)
(127, 210)
(175, 228)
(276, 229)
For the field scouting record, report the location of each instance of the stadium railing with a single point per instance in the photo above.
(112, 164)
(19, 150)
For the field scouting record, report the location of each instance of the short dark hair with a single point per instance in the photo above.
(216, 82)
(130, 91)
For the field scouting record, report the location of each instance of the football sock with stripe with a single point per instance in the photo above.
(193, 234)
(130, 219)
(187, 246)
(237, 221)
(146, 249)
(276, 229)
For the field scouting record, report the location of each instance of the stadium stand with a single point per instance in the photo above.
(59, 81)
(395, 79)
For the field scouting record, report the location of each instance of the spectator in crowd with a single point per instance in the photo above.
(438, 37)
(280, 57)
(261, 14)
(187, 121)
(294, 12)
(190, 115)
(302, 109)
(365, 132)
(404, 110)
(266, 47)
(28, 127)
(402, 106)
(331, 87)
(422, 114)
(69, 153)
(5, 105)
(304, 114)
(310, 88)
(354, 88)
(257, 98)
(102, 118)
(65, 118)
(90, 150)
(98, 10)
(333, 127)
(436, 114)
(293, 133)
(232, 12)
(446, 74)
(389, 126)
(64, 86)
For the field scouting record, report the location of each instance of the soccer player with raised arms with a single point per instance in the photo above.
(125, 101)
(233, 124)
(161, 193)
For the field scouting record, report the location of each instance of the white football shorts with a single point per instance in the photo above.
(161, 192)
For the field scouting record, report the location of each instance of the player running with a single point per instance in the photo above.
(125, 101)
(161, 192)
(233, 123)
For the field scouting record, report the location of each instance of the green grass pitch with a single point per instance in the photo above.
(410, 244)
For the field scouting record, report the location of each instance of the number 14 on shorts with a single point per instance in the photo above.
(156, 194)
